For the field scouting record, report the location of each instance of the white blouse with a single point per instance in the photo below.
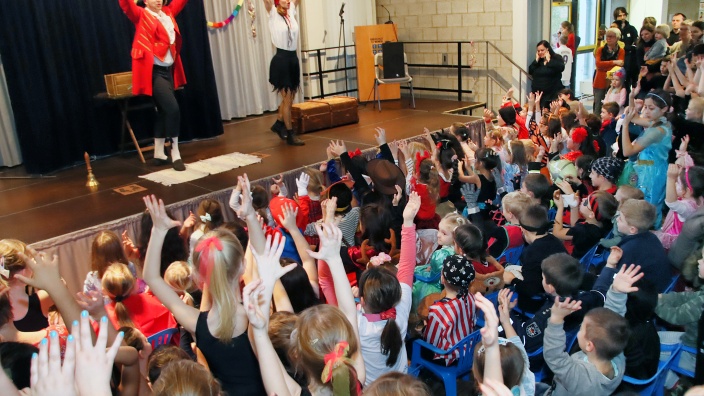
(284, 30)
(168, 24)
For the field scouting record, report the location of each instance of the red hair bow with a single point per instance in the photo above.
(439, 145)
(204, 247)
(579, 135)
(420, 157)
(355, 153)
(388, 314)
(332, 359)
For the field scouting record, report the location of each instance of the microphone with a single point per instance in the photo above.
(342, 9)
(387, 11)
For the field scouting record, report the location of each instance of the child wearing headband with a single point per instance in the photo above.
(683, 195)
(597, 209)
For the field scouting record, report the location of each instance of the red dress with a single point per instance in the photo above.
(151, 39)
(147, 313)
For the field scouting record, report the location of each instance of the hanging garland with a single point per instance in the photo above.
(218, 25)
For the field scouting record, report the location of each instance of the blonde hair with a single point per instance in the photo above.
(697, 105)
(614, 31)
(105, 250)
(316, 183)
(9, 250)
(453, 220)
(416, 147)
(497, 135)
(224, 268)
(428, 175)
(630, 192)
(118, 282)
(319, 331)
(178, 276)
(663, 29)
(639, 214)
(395, 383)
(516, 202)
(186, 378)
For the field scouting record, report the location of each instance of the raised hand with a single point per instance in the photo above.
(626, 277)
(490, 331)
(673, 171)
(494, 388)
(128, 246)
(330, 209)
(403, 147)
(488, 115)
(630, 115)
(91, 302)
(505, 305)
(560, 309)
(253, 304)
(302, 184)
(393, 146)
(330, 242)
(397, 196)
(246, 209)
(411, 209)
(160, 220)
(45, 271)
(338, 147)
(614, 256)
(93, 362)
(684, 143)
(278, 180)
(538, 97)
(190, 220)
(47, 375)
(380, 135)
(270, 269)
(288, 217)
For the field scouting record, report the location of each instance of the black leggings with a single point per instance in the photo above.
(168, 116)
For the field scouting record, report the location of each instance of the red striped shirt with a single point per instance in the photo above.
(450, 321)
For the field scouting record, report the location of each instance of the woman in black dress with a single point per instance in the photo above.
(546, 71)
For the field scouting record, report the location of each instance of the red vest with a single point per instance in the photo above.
(151, 39)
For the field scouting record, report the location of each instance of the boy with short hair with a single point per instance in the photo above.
(562, 277)
(538, 188)
(599, 367)
(609, 115)
(566, 53)
(541, 244)
(509, 235)
(639, 245)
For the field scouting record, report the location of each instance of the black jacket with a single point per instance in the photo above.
(547, 77)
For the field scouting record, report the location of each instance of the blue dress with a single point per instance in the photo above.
(651, 166)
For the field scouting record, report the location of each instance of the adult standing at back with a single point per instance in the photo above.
(284, 69)
(606, 57)
(546, 71)
(677, 20)
(157, 69)
(629, 35)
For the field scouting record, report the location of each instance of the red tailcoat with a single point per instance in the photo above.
(151, 39)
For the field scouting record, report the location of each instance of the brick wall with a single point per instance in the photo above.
(458, 20)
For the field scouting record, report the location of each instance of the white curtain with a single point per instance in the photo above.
(9, 145)
(240, 61)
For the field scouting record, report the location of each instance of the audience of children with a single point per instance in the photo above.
(315, 294)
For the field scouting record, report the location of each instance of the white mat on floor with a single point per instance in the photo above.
(203, 168)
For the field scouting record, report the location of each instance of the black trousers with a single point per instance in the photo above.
(168, 117)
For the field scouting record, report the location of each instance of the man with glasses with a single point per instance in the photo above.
(629, 36)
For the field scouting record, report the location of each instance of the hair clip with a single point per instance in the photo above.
(4, 272)
(313, 341)
(205, 218)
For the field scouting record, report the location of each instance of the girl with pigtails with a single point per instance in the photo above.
(221, 332)
(325, 343)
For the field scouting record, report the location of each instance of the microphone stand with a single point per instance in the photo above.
(342, 38)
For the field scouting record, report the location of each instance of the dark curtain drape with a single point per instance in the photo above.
(55, 54)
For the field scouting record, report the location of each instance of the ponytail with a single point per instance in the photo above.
(122, 314)
(118, 283)
(391, 341)
(339, 371)
(382, 291)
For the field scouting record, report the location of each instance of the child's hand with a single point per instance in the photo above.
(93, 362)
(91, 302)
(403, 146)
(684, 143)
(323, 167)
(330, 242)
(560, 309)
(531, 100)
(397, 196)
(505, 305)
(538, 97)
(246, 207)
(630, 115)
(614, 256)
(673, 171)
(380, 136)
(328, 152)
(488, 115)
(270, 269)
(45, 272)
(625, 278)
(279, 181)
(494, 388)
(338, 147)
(253, 305)
(490, 331)
(330, 210)
(302, 184)
(128, 246)
(47, 375)
(411, 209)
(160, 220)
(288, 218)
(190, 220)
(355, 291)
(393, 146)
(557, 199)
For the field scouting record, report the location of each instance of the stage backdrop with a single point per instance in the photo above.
(55, 53)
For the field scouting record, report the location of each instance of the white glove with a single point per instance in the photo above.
(569, 200)
(302, 184)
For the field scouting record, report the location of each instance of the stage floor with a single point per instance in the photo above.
(33, 210)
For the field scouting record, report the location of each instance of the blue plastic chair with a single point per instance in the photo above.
(570, 338)
(494, 298)
(592, 259)
(511, 256)
(656, 384)
(162, 338)
(552, 214)
(672, 284)
(427, 279)
(449, 375)
(676, 362)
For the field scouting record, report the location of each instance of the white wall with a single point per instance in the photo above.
(639, 9)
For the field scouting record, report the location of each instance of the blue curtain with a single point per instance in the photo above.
(55, 54)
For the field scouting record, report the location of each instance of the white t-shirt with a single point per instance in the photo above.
(370, 339)
(284, 30)
(566, 53)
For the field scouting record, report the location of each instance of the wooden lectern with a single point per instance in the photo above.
(368, 41)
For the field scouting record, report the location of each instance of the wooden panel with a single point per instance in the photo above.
(368, 40)
(119, 84)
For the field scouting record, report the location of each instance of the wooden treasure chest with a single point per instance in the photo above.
(325, 113)
(119, 84)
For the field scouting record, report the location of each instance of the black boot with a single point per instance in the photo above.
(293, 140)
(279, 128)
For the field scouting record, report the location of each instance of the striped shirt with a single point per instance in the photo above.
(450, 321)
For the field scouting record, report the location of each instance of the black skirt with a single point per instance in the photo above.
(285, 71)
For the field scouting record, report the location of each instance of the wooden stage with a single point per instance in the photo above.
(37, 209)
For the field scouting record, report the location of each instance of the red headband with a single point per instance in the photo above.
(205, 261)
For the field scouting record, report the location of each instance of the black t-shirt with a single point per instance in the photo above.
(584, 237)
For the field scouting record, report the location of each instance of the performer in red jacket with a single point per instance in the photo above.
(157, 69)
(284, 69)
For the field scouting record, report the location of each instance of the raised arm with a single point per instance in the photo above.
(407, 260)
(288, 220)
(256, 233)
(132, 10)
(490, 339)
(186, 315)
